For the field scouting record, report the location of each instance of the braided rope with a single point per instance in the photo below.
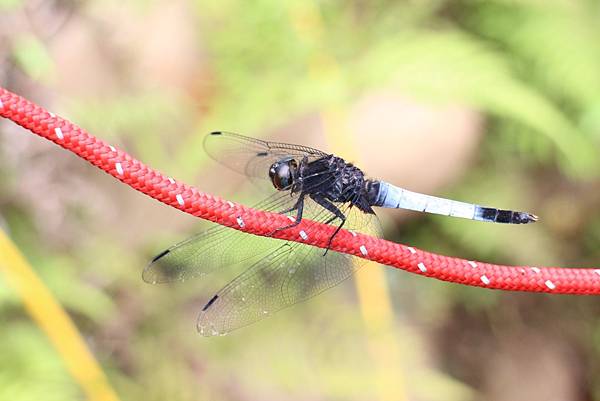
(186, 198)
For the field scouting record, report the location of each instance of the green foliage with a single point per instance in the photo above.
(31, 55)
(9, 4)
(30, 368)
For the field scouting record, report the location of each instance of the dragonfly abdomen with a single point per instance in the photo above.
(390, 196)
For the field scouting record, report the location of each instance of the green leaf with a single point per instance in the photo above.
(453, 66)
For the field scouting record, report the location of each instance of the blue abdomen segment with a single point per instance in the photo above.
(391, 196)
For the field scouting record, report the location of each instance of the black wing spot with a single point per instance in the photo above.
(216, 133)
(262, 154)
(209, 303)
(160, 255)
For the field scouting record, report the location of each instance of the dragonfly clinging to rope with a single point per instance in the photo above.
(305, 184)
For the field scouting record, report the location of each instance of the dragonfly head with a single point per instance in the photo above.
(283, 172)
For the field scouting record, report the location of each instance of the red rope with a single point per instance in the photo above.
(190, 200)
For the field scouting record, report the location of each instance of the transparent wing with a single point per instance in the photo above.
(213, 249)
(221, 246)
(292, 273)
(279, 274)
(252, 156)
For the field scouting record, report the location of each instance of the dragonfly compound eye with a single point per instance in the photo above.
(282, 173)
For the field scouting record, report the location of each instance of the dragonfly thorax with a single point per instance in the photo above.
(283, 172)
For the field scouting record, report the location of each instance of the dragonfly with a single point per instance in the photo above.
(305, 184)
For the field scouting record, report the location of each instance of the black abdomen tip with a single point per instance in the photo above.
(506, 216)
(521, 218)
(528, 218)
(216, 133)
(160, 255)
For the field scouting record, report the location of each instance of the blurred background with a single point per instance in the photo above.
(493, 102)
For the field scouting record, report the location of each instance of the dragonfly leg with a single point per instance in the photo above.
(337, 214)
(295, 207)
(299, 206)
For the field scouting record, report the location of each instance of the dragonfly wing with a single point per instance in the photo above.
(214, 249)
(290, 274)
(250, 156)
(221, 247)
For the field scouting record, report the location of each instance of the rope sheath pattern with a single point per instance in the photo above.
(186, 198)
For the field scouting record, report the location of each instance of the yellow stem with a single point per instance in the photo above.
(54, 322)
(370, 283)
